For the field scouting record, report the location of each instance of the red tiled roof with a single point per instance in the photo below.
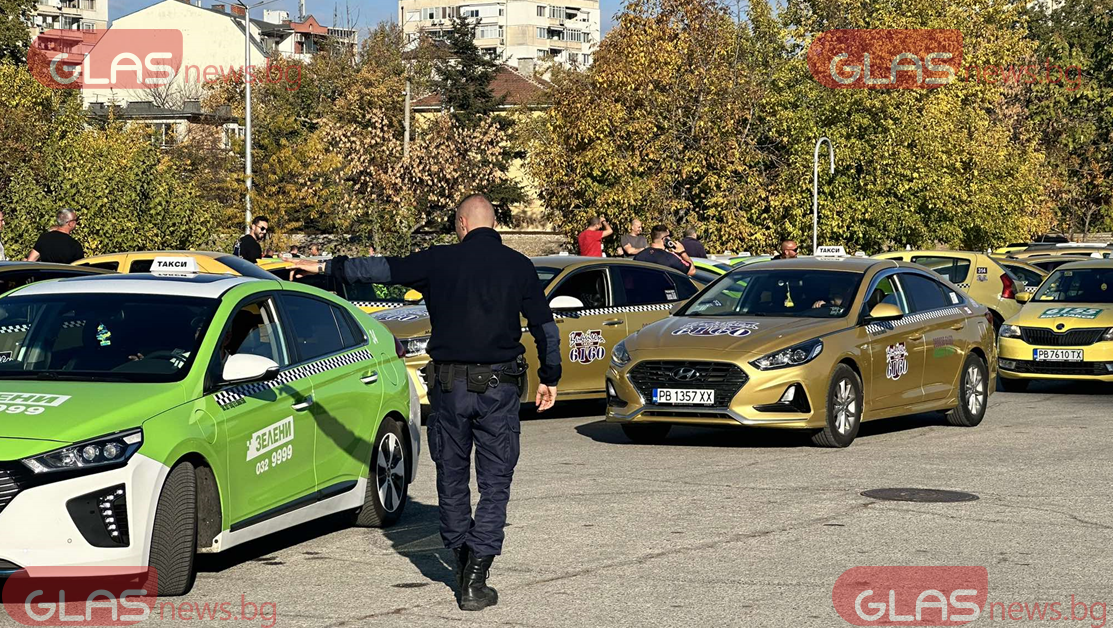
(310, 25)
(517, 88)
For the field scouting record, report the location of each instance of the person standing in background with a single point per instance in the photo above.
(664, 251)
(314, 250)
(57, 245)
(634, 242)
(789, 250)
(249, 246)
(692, 245)
(591, 239)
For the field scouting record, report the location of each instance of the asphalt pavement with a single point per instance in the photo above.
(719, 527)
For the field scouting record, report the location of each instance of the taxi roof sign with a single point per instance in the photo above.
(174, 266)
(830, 252)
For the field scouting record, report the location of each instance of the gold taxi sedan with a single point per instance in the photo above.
(818, 345)
(596, 303)
(1065, 330)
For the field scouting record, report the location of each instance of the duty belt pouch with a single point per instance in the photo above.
(428, 375)
(443, 376)
(517, 373)
(479, 377)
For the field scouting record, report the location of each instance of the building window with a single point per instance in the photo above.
(469, 13)
(492, 53)
(542, 32)
(89, 5)
(556, 13)
(88, 26)
(541, 54)
(488, 32)
(540, 10)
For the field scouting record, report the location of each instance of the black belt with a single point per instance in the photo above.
(479, 377)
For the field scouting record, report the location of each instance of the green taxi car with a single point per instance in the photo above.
(149, 418)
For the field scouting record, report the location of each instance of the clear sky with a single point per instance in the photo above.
(369, 12)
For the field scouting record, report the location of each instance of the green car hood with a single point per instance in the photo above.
(77, 411)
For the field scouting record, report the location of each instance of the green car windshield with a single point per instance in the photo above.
(793, 293)
(1078, 285)
(101, 337)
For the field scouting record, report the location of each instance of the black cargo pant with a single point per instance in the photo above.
(489, 420)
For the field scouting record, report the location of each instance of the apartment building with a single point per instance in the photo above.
(69, 15)
(512, 31)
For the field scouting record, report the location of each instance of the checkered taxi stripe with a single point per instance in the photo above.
(25, 327)
(912, 319)
(382, 304)
(656, 307)
(230, 396)
(964, 285)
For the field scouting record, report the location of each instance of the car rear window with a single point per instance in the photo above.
(954, 269)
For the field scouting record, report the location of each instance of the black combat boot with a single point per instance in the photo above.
(461, 554)
(475, 595)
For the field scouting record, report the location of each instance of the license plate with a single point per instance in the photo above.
(685, 396)
(1057, 355)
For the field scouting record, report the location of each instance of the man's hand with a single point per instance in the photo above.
(306, 266)
(546, 397)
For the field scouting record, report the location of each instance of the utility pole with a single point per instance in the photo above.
(247, 105)
(406, 141)
(815, 188)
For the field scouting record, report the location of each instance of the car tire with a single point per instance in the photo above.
(174, 534)
(1013, 385)
(844, 409)
(973, 393)
(646, 433)
(388, 479)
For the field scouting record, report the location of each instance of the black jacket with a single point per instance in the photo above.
(474, 291)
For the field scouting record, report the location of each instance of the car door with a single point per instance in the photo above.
(937, 308)
(589, 333)
(347, 392)
(267, 430)
(896, 348)
(647, 294)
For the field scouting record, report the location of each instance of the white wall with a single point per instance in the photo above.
(210, 41)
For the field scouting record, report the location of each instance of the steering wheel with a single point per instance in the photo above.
(168, 355)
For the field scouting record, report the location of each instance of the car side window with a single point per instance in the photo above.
(685, 289)
(105, 265)
(315, 332)
(589, 286)
(141, 266)
(644, 286)
(955, 269)
(254, 330)
(886, 291)
(923, 293)
(348, 329)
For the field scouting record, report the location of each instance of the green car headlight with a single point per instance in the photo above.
(106, 451)
(793, 356)
(1010, 331)
(415, 346)
(620, 357)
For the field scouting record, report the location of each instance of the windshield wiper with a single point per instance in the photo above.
(55, 375)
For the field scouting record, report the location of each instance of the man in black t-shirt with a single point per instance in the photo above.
(57, 245)
(248, 246)
(658, 253)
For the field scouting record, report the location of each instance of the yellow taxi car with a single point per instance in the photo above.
(818, 344)
(1049, 263)
(1028, 277)
(210, 262)
(980, 276)
(596, 303)
(1065, 330)
(1078, 249)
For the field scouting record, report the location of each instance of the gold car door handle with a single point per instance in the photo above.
(915, 337)
(959, 325)
(371, 378)
(613, 322)
(303, 405)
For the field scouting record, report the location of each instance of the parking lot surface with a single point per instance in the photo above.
(716, 527)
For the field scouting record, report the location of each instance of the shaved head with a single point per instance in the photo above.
(474, 212)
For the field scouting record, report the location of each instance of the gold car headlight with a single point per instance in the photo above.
(1108, 335)
(415, 346)
(620, 356)
(793, 356)
(1009, 331)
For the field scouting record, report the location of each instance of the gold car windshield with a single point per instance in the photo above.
(1078, 285)
(790, 293)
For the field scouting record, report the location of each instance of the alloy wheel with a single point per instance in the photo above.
(390, 470)
(975, 390)
(846, 407)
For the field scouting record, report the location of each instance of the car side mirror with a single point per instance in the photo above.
(884, 312)
(245, 367)
(564, 302)
(1023, 297)
(412, 296)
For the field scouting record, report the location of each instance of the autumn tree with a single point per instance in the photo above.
(15, 39)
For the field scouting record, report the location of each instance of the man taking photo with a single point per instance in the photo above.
(249, 247)
(662, 250)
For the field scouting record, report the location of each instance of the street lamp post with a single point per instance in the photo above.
(815, 188)
(247, 104)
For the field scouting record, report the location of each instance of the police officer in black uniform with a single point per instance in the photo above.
(475, 292)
